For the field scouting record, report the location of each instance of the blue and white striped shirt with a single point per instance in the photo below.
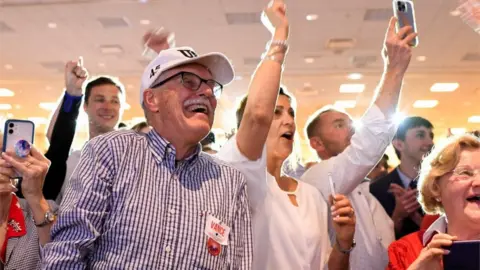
(131, 205)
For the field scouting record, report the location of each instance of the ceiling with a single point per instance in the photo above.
(38, 37)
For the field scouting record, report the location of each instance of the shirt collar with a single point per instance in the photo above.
(404, 178)
(163, 150)
(439, 226)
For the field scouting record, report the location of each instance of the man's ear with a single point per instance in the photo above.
(150, 101)
(317, 144)
(398, 144)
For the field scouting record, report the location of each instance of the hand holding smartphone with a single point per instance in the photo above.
(405, 12)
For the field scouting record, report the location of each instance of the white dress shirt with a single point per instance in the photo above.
(439, 226)
(374, 229)
(284, 236)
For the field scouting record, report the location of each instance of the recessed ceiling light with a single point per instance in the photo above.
(345, 104)
(101, 65)
(352, 88)
(145, 22)
(8, 66)
(238, 78)
(5, 107)
(444, 87)
(474, 119)
(421, 58)
(4, 92)
(355, 76)
(10, 115)
(39, 120)
(425, 103)
(307, 85)
(111, 49)
(311, 17)
(309, 60)
(49, 106)
(52, 25)
(17, 106)
(455, 13)
(458, 131)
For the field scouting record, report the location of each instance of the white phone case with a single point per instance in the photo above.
(16, 130)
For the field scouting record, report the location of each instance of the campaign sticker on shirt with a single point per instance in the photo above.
(214, 248)
(217, 230)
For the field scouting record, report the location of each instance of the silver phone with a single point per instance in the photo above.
(405, 12)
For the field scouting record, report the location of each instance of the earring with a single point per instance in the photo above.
(438, 199)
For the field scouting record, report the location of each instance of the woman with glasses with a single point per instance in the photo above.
(449, 185)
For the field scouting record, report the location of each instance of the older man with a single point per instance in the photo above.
(156, 201)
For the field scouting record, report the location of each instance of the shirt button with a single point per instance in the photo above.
(168, 249)
(172, 211)
(169, 150)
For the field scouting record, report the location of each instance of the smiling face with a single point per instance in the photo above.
(177, 109)
(103, 108)
(282, 130)
(460, 190)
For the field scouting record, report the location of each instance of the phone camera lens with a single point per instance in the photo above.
(10, 131)
(10, 125)
(401, 6)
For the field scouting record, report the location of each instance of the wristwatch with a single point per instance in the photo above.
(49, 218)
(345, 251)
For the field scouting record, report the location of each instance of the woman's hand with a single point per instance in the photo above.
(33, 169)
(430, 257)
(7, 175)
(344, 220)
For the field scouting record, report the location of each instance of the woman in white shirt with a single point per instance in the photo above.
(290, 218)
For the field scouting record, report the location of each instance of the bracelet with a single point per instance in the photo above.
(347, 251)
(283, 44)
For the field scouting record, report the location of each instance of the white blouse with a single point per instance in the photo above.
(285, 236)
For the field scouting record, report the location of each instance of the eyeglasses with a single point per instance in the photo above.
(193, 82)
(465, 173)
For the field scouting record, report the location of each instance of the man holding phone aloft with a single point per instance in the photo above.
(350, 154)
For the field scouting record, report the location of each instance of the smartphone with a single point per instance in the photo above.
(405, 13)
(16, 130)
(464, 255)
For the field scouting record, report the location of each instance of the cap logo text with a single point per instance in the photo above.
(154, 70)
(188, 53)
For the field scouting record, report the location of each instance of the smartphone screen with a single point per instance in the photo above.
(464, 255)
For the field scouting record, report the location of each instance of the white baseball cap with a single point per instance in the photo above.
(217, 63)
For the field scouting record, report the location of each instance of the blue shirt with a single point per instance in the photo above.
(131, 205)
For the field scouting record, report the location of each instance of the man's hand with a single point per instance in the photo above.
(75, 76)
(344, 220)
(406, 201)
(396, 51)
(159, 40)
(274, 18)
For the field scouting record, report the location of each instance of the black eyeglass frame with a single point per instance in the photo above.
(216, 87)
